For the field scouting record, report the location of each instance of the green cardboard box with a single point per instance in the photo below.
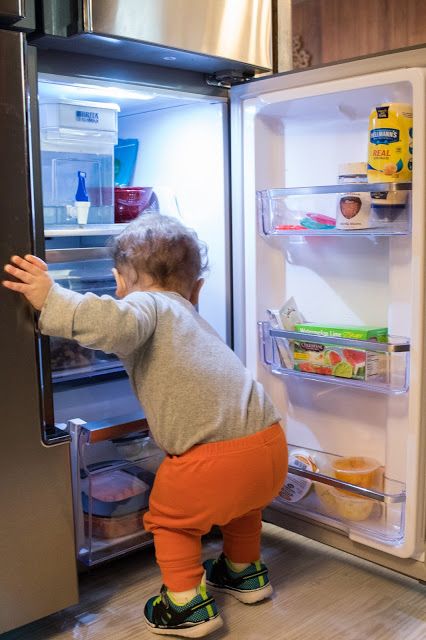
(338, 360)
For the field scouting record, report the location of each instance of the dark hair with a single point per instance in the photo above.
(163, 248)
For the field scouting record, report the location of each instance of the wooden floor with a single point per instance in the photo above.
(320, 594)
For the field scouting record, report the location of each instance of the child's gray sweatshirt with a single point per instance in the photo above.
(193, 388)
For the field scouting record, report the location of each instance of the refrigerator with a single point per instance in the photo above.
(78, 79)
(226, 154)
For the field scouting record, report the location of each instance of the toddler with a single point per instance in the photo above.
(226, 453)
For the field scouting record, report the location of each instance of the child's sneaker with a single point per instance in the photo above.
(249, 585)
(195, 619)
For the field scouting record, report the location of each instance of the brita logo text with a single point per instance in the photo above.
(87, 116)
(384, 136)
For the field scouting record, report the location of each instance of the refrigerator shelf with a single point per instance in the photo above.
(78, 373)
(311, 211)
(372, 514)
(68, 230)
(276, 352)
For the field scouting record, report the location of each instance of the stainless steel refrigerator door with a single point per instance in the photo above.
(243, 191)
(38, 570)
(212, 36)
(238, 30)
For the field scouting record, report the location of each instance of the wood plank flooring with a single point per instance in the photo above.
(320, 594)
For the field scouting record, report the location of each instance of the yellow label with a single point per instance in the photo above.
(390, 146)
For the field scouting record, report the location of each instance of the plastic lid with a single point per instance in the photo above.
(353, 169)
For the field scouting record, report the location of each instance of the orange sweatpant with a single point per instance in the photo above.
(225, 483)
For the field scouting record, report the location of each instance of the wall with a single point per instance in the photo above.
(339, 29)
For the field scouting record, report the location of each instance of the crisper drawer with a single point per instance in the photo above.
(69, 360)
(115, 469)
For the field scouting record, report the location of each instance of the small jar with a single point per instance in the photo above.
(353, 208)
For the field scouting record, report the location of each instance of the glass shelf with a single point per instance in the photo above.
(311, 211)
(390, 360)
(377, 514)
(67, 230)
(98, 367)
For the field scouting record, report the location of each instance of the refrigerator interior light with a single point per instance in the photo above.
(97, 91)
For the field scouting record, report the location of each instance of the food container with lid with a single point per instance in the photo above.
(353, 208)
(130, 202)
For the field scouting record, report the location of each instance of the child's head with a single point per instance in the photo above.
(158, 252)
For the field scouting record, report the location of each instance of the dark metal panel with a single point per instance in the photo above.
(38, 573)
(11, 11)
(18, 14)
(76, 64)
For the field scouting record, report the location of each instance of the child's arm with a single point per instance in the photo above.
(115, 326)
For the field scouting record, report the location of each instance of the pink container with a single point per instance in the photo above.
(130, 202)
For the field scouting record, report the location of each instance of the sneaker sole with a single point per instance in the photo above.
(248, 597)
(198, 630)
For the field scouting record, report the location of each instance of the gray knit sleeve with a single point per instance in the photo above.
(114, 326)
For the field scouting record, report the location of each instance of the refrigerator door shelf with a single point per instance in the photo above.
(357, 511)
(311, 211)
(276, 352)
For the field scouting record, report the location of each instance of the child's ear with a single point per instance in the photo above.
(120, 282)
(195, 293)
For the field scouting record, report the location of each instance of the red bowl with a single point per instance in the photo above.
(130, 202)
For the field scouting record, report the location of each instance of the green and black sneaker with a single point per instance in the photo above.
(195, 619)
(249, 585)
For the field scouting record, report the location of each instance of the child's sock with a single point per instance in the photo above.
(237, 567)
(183, 597)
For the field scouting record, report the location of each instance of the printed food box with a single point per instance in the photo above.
(343, 362)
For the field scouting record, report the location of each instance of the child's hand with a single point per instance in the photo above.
(35, 281)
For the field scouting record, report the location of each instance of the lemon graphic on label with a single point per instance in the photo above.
(343, 370)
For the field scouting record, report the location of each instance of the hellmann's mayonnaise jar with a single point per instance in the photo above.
(390, 151)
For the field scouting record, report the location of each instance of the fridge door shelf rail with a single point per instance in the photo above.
(392, 379)
(311, 211)
(347, 486)
(377, 187)
(363, 514)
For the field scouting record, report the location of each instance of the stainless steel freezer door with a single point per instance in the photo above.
(38, 571)
(238, 30)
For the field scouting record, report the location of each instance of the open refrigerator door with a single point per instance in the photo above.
(346, 395)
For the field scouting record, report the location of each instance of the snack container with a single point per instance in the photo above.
(364, 472)
(295, 487)
(110, 491)
(347, 506)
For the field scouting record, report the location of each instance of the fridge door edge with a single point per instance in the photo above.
(38, 575)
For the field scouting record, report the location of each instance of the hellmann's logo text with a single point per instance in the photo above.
(384, 136)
